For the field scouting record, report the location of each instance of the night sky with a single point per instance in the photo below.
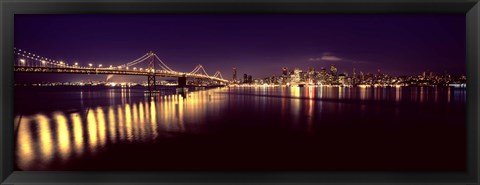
(259, 45)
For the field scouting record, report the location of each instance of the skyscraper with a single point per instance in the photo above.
(285, 71)
(234, 74)
(354, 77)
(333, 70)
(245, 78)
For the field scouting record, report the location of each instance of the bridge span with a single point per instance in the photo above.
(149, 65)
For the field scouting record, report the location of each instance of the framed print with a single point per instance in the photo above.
(230, 92)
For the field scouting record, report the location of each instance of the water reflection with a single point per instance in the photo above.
(77, 133)
(24, 144)
(43, 137)
(44, 133)
(101, 126)
(65, 135)
(112, 128)
(92, 131)
(128, 122)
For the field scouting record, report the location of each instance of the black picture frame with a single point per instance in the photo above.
(8, 8)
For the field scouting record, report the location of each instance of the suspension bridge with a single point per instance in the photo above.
(149, 65)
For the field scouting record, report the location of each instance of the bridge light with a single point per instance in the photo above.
(90, 64)
(127, 68)
(43, 62)
(22, 60)
(134, 68)
(111, 66)
(99, 65)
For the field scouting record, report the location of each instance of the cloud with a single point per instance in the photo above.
(327, 56)
(331, 58)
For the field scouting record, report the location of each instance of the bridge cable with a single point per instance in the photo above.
(196, 69)
(162, 63)
(137, 61)
(203, 69)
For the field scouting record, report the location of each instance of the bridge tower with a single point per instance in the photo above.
(151, 73)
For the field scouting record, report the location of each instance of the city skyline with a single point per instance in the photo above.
(258, 45)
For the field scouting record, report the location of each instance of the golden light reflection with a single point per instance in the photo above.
(145, 120)
(122, 94)
(45, 137)
(169, 122)
(295, 102)
(284, 102)
(340, 93)
(153, 117)
(111, 125)
(111, 96)
(398, 94)
(320, 92)
(77, 132)
(295, 91)
(135, 123)
(63, 135)
(193, 105)
(310, 112)
(148, 119)
(311, 93)
(142, 114)
(25, 151)
(92, 130)
(128, 122)
(102, 126)
(180, 114)
(96, 128)
(121, 123)
(363, 93)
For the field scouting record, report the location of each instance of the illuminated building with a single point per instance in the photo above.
(333, 71)
(341, 78)
(285, 71)
(234, 74)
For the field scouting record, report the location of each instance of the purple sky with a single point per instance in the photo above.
(259, 45)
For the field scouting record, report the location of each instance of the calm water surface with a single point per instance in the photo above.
(242, 128)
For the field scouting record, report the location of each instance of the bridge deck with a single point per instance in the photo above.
(107, 71)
